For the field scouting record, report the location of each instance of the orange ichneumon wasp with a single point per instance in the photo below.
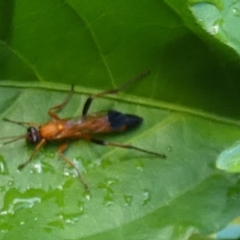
(84, 127)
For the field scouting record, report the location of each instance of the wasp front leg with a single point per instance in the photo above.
(36, 150)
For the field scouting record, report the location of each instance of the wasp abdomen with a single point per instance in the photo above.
(121, 122)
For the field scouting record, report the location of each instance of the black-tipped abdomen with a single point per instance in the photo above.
(121, 122)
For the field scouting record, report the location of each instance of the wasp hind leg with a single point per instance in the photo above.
(127, 146)
(111, 91)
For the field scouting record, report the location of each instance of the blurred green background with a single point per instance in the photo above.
(189, 103)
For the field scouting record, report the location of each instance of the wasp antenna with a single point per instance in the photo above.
(12, 139)
(135, 79)
(21, 123)
(112, 91)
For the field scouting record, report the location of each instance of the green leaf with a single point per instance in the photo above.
(132, 194)
(188, 104)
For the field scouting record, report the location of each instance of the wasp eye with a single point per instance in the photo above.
(33, 135)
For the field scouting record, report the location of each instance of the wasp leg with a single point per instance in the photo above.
(33, 124)
(105, 143)
(52, 111)
(61, 149)
(111, 91)
(36, 150)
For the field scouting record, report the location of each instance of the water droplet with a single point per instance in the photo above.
(19, 203)
(111, 181)
(4, 230)
(215, 3)
(37, 167)
(10, 183)
(81, 206)
(139, 165)
(60, 187)
(236, 12)
(3, 166)
(2, 213)
(128, 200)
(87, 195)
(108, 199)
(66, 173)
(146, 197)
(169, 149)
(214, 29)
(105, 186)
(22, 223)
(72, 217)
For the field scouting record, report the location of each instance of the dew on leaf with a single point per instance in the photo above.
(87, 195)
(81, 206)
(146, 197)
(169, 149)
(19, 203)
(37, 167)
(128, 200)
(4, 230)
(72, 218)
(111, 181)
(236, 8)
(10, 183)
(236, 12)
(214, 29)
(108, 199)
(216, 3)
(3, 166)
(139, 165)
(107, 184)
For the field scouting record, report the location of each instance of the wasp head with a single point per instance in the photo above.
(33, 135)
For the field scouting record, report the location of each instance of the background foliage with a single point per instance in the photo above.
(189, 103)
